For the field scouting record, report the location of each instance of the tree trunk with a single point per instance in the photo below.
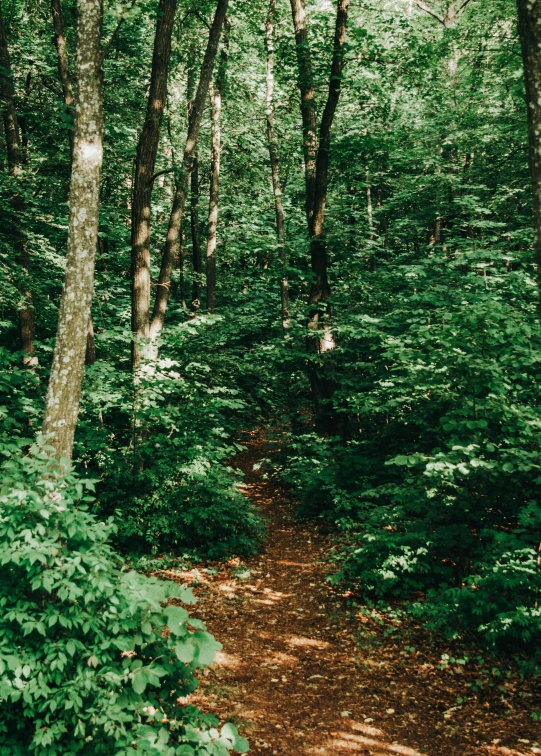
(63, 62)
(177, 212)
(15, 164)
(275, 165)
(67, 93)
(181, 283)
(529, 24)
(216, 90)
(308, 112)
(64, 390)
(216, 107)
(320, 291)
(316, 187)
(90, 351)
(147, 150)
(196, 237)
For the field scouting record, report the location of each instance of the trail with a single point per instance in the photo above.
(301, 675)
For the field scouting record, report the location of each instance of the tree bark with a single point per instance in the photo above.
(216, 95)
(275, 165)
(320, 291)
(196, 237)
(212, 225)
(15, 165)
(529, 24)
(308, 112)
(316, 199)
(64, 390)
(147, 150)
(63, 62)
(177, 212)
(67, 93)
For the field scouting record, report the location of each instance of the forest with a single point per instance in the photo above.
(270, 358)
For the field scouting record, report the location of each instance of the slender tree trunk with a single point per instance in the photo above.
(320, 291)
(63, 62)
(179, 201)
(216, 107)
(196, 237)
(63, 395)
(320, 339)
(67, 93)
(182, 283)
(308, 112)
(369, 208)
(147, 150)
(275, 165)
(15, 164)
(216, 90)
(90, 350)
(529, 24)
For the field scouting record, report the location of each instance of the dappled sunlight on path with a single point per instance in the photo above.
(297, 673)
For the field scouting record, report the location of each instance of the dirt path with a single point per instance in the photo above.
(301, 675)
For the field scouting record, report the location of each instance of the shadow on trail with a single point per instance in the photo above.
(294, 674)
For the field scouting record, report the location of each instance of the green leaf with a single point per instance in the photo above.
(185, 651)
(139, 682)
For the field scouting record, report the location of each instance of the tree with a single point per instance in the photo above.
(15, 164)
(216, 89)
(529, 24)
(275, 163)
(147, 150)
(63, 394)
(67, 92)
(177, 211)
(316, 176)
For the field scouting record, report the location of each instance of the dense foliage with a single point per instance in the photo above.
(428, 468)
(92, 659)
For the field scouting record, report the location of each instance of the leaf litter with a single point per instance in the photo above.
(304, 671)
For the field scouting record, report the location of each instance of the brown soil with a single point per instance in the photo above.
(302, 672)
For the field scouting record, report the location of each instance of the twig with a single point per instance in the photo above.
(160, 173)
(114, 34)
(423, 6)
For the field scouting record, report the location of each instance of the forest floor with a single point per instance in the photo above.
(303, 671)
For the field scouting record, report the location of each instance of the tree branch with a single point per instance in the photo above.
(424, 7)
(113, 36)
(463, 5)
(160, 173)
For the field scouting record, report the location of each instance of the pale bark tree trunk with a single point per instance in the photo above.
(147, 150)
(196, 237)
(15, 164)
(369, 208)
(212, 225)
(181, 283)
(67, 93)
(275, 165)
(179, 201)
(529, 24)
(64, 390)
(308, 112)
(194, 202)
(216, 89)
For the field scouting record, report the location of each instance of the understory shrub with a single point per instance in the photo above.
(435, 486)
(93, 660)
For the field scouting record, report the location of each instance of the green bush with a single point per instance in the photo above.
(435, 487)
(93, 660)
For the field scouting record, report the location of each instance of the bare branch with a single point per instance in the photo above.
(160, 173)
(424, 7)
(463, 5)
(113, 36)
